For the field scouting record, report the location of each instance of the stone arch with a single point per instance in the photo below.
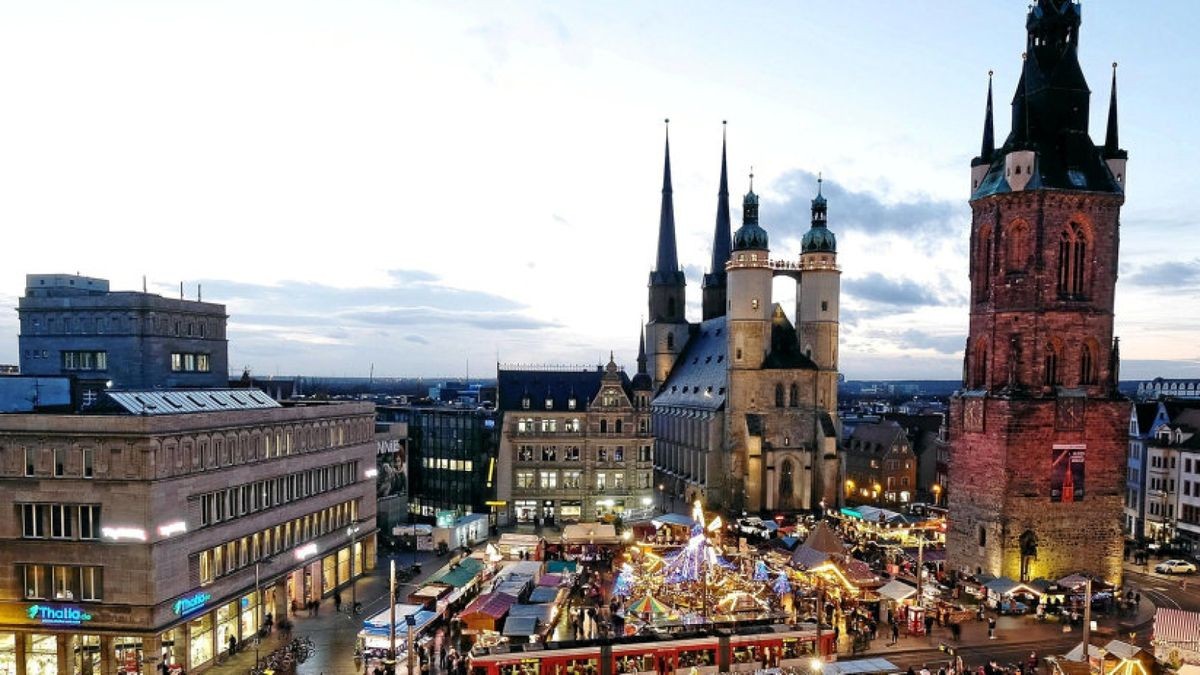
(979, 363)
(983, 260)
(1017, 245)
(1051, 363)
(778, 395)
(787, 484)
(1089, 370)
(1074, 247)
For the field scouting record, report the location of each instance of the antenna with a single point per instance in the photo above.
(181, 290)
(199, 293)
(143, 283)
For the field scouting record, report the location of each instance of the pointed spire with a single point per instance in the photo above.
(668, 260)
(721, 235)
(988, 148)
(641, 358)
(1112, 144)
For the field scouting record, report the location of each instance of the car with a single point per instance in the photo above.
(1175, 567)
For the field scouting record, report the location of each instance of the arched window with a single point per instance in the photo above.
(1072, 265)
(620, 425)
(983, 263)
(1050, 365)
(604, 426)
(1016, 240)
(794, 396)
(778, 395)
(787, 491)
(979, 364)
(1087, 364)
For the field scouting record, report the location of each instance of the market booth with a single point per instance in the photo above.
(517, 546)
(463, 577)
(1011, 597)
(589, 541)
(375, 636)
(486, 613)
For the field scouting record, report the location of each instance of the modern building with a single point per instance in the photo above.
(174, 522)
(1040, 399)
(881, 467)
(575, 444)
(74, 325)
(743, 414)
(451, 459)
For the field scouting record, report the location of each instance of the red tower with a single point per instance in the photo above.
(1038, 431)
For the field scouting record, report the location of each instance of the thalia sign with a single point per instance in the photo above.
(58, 616)
(191, 603)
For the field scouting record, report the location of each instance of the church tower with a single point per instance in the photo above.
(667, 330)
(817, 302)
(715, 281)
(749, 303)
(1038, 432)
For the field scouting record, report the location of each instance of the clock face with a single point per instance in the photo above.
(1070, 413)
(973, 415)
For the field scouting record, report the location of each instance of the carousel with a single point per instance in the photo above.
(701, 582)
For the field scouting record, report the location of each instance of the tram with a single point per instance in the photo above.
(767, 647)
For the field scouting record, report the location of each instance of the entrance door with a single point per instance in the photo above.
(548, 513)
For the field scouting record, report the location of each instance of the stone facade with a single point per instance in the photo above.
(273, 490)
(575, 445)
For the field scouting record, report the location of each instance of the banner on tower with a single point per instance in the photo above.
(1066, 473)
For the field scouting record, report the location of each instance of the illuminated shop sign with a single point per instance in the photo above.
(191, 603)
(58, 616)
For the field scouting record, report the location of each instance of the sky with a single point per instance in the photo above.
(425, 188)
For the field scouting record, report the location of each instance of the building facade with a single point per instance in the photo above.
(881, 467)
(1161, 387)
(451, 456)
(137, 537)
(74, 325)
(1040, 401)
(575, 444)
(1162, 494)
(744, 407)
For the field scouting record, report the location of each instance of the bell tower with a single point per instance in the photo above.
(1038, 431)
(817, 301)
(667, 330)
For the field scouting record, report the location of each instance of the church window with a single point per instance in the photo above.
(670, 341)
(824, 305)
(1017, 246)
(979, 364)
(1050, 365)
(738, 354)
(1072, 255)
(983, 253)
(982, 535)
(778, 395)
(1087, 365)
(670, 308)
(794, 396)
(754, 303)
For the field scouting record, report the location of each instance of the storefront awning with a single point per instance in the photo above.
(460, 575)
(1176, 625)
(377, 626)
(897, 590)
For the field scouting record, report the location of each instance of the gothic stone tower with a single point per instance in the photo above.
(1038, 433)
(667, 330)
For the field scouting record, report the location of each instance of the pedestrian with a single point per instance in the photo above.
(836, 634)
(337, 601)
(928, 625)
(956, 631)
(232, 645)
(895, 632)
(991, 628)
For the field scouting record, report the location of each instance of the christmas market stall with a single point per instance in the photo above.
(486, 613)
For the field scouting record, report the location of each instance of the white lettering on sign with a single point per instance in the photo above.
(388, 447)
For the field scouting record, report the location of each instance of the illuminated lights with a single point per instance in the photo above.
(191, 603)
(177, 527)
(119, 533)
(306, 551)
(58, 616)
(371, 473)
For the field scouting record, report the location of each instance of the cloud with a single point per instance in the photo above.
(416, 338)
(919, 339)
(1171, 274)
(789, 214)
(895, 292)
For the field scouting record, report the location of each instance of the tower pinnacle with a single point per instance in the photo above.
(667, 262)
(1112, 144)
(988, 148)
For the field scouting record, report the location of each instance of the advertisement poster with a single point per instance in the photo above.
(1066, 473)
(392, 465)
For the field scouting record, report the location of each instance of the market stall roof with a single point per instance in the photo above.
(541, 612)
(544, 594)
(824, 539)
(673, 519)
(520, 626)
(495, 605)
(515, 587)
(786, 542)
(590, 533)
(461, 575)
(871, 514)
(860, 572)
(1073, 581)
(1116, 648)
(561, 566)
(1005, 586)
(378, 624)
(897, 590)
(1176, 625)
(808, 558)
(859, 666)
(550, 580)
(518, 539)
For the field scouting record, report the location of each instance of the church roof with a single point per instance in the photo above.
(701, 374)
(785, 349)
(560, 386)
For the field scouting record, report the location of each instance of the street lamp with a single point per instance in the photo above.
(937, 494)
(352, 532)
(662, 497)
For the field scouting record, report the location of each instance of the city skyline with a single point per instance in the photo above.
(412, 186)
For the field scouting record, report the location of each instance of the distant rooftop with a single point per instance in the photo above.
(52, 285)
(160, 402)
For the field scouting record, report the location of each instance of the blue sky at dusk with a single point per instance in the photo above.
(416, 184)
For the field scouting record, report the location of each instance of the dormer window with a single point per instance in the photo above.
(549, 403)
(525, 403)
(571, 403)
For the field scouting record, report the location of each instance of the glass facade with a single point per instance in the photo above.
(452, 455)
(200, 640)
(41, 656)
(86, 654)
(8, 654)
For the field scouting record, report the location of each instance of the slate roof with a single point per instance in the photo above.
(559, 385)
(785, 346)
(878, 437)
(700, 377)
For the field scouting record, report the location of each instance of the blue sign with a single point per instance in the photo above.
(191, 603)
(58, 616)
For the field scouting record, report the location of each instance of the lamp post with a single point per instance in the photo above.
(351, 532)
(937, 494)
(392, 615)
